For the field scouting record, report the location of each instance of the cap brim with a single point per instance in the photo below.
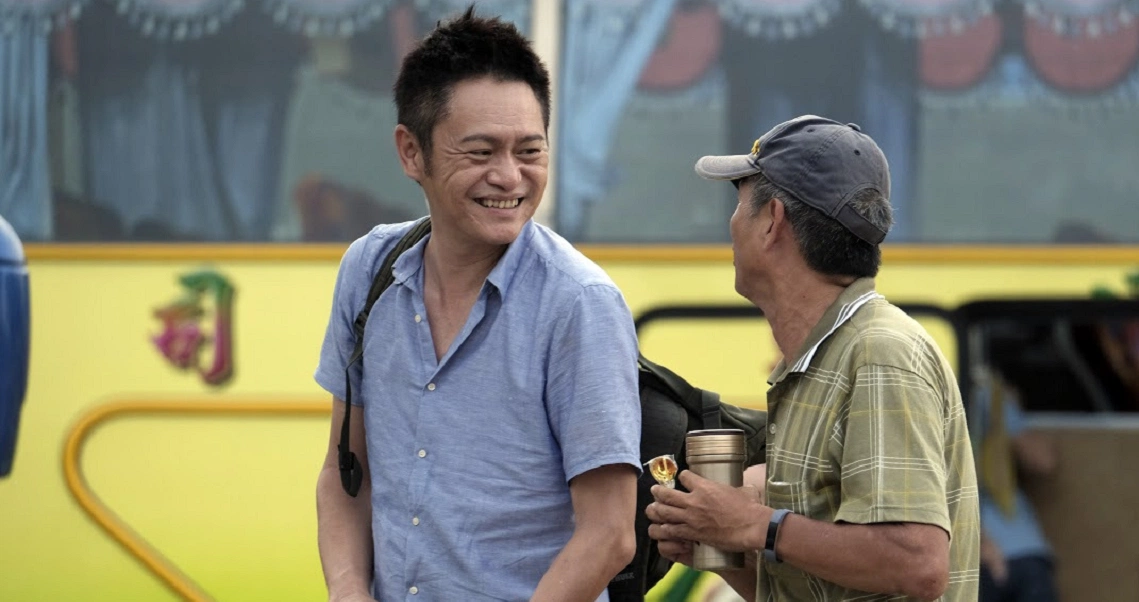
(727, 167)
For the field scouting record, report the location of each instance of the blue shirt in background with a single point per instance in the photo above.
(470, 457)
(1019, 535)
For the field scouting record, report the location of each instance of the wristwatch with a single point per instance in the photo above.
(769, 554)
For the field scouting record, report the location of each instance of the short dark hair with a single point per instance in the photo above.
(467, 47)
(827, 246)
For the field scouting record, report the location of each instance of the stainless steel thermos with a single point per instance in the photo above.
(716, 455)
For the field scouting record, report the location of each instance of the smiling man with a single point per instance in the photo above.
(496, 413)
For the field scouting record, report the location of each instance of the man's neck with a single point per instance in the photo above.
(455, 269)
(793, 303)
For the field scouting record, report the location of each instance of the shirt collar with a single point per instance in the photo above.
(853, 297)
(408, 265)
(507, 267)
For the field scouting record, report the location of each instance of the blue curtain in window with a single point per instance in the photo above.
(889, 113)
(25, 189)
(790, 70)
(607, 44)
(179, 144)
(148, 151)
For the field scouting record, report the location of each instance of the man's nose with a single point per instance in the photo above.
(505, 173)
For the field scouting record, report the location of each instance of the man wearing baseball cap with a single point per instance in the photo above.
(871, 487)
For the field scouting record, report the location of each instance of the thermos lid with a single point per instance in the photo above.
(715, 442)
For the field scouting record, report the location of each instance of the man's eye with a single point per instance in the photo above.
(480, 153)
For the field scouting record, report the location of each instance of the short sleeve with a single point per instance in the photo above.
(592, 393)
(893, 456)
(348, 299)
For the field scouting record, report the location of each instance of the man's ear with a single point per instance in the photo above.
(775, 215)
(778, 211)
(411, 156)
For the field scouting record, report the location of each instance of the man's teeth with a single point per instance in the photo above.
(512, 203)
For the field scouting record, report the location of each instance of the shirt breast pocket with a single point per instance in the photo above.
(784, 495)
(803, 498)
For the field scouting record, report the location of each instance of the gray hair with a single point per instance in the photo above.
(827, 246)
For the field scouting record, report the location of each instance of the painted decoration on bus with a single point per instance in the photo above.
(197, 327)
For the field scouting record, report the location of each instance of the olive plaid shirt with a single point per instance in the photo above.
(868, 426)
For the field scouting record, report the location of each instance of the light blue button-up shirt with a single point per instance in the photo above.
(470, 457)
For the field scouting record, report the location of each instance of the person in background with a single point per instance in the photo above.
(1016, 560)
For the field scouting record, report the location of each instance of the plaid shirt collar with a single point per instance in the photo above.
(855, 296)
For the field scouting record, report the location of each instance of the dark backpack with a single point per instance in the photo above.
(670, 407)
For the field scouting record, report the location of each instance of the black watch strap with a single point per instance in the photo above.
(772, 532)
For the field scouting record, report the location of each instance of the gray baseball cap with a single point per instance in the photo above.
(821, 162)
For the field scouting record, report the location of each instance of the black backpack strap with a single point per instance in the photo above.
(351, 475)
(384, 278)
(707, 403)
(710, 409)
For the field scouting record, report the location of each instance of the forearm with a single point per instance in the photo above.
(344, 535)
(584, 567)
(880, 558)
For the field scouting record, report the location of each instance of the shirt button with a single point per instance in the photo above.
(418, 318)
(413, 590)
(771, 428)
(431, 387)
(422, 453)
(415, 520)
